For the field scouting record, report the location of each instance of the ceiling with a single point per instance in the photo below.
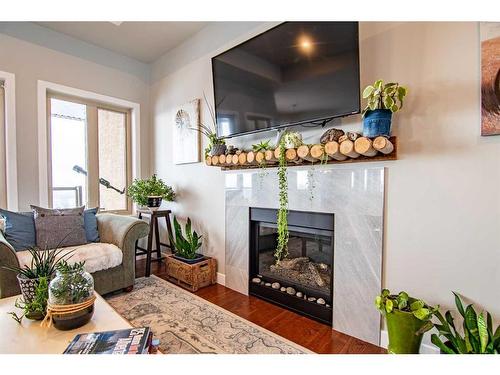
(143, 41)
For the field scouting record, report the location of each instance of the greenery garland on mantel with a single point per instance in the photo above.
(281, 251)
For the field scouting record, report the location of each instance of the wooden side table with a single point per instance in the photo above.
(154, 231)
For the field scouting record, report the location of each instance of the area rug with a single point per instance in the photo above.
(188, 324)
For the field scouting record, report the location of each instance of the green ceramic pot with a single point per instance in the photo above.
(402, 327)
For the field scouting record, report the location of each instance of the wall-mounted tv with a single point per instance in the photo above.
(294, 73)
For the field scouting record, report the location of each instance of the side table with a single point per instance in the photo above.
(154, 231)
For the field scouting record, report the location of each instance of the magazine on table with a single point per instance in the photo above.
(123, 341)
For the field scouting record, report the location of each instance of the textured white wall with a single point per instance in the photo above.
(442, 221)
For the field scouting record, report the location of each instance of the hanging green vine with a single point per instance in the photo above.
(281, 251)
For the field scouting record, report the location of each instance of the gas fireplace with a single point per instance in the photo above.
(303, 282)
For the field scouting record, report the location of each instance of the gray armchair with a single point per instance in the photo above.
(122, 231)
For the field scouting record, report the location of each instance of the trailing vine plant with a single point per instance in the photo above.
(281, 251)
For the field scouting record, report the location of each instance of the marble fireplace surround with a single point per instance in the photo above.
(355, 195)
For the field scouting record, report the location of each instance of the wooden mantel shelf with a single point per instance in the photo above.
(358, 151)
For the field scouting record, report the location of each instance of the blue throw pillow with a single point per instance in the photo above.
(90, 223)
(19, 229)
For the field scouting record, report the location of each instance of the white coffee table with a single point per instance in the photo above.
(29, 338)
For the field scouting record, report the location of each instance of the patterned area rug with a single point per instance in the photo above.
(188, 324)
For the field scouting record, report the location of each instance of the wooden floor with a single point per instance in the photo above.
(315, 336)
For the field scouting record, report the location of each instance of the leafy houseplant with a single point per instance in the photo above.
(407, 320)
(291, 139)
(150, 192)
(34, 279)
(281, 251)
(479, 337)
(382, 101)
(216, 145)
(187, 244)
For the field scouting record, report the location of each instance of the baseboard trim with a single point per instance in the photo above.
(426, 348)
(221, 279)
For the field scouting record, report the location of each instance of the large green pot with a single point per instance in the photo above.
(402, 327)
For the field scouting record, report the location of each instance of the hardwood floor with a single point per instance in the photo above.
(313, 335)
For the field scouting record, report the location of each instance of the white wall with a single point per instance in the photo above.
(442, 227)
(30, 62)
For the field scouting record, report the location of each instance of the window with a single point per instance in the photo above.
(3, 144)
(89, 154)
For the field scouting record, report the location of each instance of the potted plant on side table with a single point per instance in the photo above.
(150, 192)
(407, 320)
(383, 101)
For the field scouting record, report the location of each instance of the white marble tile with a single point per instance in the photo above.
(356, 197)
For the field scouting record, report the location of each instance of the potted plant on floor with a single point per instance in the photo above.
(34, 280)
(407, 320)
(382, 101)
(185, 246)
(478, 338)
(150, 192)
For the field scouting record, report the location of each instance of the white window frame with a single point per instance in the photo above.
(44, 90)
(9, 82)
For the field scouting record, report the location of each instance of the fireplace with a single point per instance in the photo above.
(303, 282)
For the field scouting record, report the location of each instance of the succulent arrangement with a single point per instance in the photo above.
(185, 244)
(72, 284)
(141, 189)
(478, 335)
(262, 146)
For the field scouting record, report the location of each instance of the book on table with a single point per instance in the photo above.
(123, 341)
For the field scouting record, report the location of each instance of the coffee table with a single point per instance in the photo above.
(29, 338)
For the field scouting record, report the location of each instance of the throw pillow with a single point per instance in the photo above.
(90, 222)
(19, 229)
(59, 227)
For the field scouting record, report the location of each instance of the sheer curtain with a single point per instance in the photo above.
(3, 178)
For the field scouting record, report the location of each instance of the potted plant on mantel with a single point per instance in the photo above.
(216, 145)
(407, 320)
(150, 192)
(383, 101)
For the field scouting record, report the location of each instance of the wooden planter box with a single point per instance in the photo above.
(192, 276)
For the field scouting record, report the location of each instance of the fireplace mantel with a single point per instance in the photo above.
(356, 197)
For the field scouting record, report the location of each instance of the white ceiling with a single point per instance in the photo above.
(143, 41)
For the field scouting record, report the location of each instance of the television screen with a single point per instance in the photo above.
(295, 73)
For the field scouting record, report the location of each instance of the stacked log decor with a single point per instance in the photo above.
(350, 147)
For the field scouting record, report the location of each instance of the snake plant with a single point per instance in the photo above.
(478, 338)
(185, 245)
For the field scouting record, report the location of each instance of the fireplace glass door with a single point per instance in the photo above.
(307, 271)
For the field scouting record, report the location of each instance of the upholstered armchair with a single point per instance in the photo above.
(115, 231)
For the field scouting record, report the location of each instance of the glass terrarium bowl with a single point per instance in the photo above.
(71, 288)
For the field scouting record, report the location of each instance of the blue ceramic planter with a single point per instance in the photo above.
(377, 122)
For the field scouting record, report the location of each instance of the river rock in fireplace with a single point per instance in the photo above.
(304, 271)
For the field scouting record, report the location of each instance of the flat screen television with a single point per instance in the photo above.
(294, 73)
